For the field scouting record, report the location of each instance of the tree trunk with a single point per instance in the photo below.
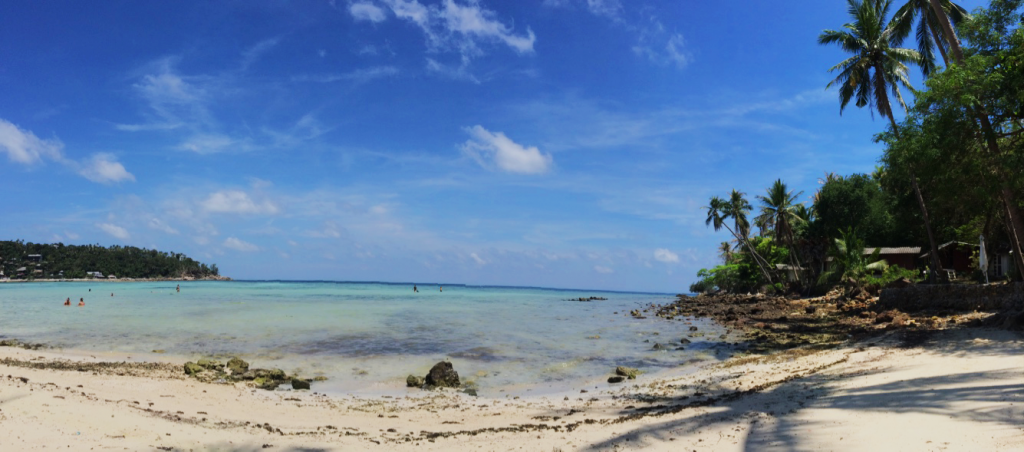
(938, 43)
(936, 263)
(1014, 220)
(757, 257)
(947, 29)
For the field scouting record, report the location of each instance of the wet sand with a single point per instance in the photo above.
(949, 390)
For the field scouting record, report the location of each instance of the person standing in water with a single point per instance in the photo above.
(440, 289)
(67, 302)
(81, 302)
(414, 289)
(178, 288)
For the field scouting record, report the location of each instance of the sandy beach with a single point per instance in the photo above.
(950, 390)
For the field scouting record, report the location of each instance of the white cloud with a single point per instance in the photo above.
(358, 75)
(666, 256)
(367, 11)
(472, 20)
(603, 270)
(673, 52)
(147, 127)
(237, 201)
(460, 28)
(451, 72)
(255, 52)
(104, 168)
(476, 258)
(114, 230)
(486, 148)
(22, 146)
(239, 245)
(207, 143)
(155, 223)
(71, 235)
(609, 8)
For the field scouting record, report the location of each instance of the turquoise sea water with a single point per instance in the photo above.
(365, 337)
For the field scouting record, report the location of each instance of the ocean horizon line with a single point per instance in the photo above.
(475, 286)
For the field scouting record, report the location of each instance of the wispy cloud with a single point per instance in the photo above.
(252, 54)
(237, 201)
(451, 27)
(497, 150)
(239, 245)
(666, 256)
(359, 75)
(115, 231)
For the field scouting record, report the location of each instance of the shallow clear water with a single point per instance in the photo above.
(365, 337)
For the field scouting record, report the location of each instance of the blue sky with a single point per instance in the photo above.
(557, 143)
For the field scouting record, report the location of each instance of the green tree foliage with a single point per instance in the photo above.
(122, 261)
(849, 263)
(857, 201)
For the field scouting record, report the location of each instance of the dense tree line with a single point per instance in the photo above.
(76, 260)
(951, 170)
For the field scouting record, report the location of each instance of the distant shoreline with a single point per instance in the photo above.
(119, 280)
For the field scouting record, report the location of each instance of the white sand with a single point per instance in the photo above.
(961, 390)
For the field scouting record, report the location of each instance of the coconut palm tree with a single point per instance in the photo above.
(725, 252)
(878, 65)
(929, 28)
(780, 212)
(720, 210)
(849, 260)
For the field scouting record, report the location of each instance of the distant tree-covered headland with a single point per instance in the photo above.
(21, 260)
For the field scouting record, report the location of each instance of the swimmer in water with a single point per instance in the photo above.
(414, 289)
(178, 288)
(67, 302)
(111, 293)
(81, 302)
(440, 289)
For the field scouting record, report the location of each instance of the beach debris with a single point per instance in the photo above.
(443, 375)
(298, 383)
(413, 381)
(160, 350)
(237, 366)
(628, 372)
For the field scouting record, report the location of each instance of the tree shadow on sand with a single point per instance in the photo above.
(942, 395)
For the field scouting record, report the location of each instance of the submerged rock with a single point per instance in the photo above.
(413, 381)
(658, 346)
(237, 366)
(443, 375)
(299, 384)
(684, 341)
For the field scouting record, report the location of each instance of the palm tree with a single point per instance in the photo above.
(929, 28)
(849, 260)
(779, 210)
(720, 210)
(725, 252)
(877, 65)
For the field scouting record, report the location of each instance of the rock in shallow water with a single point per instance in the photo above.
(616, 379)
(299, 384)
(413, 381)
(443, 375)
(192, 368)
(237, 366)
(628, 372)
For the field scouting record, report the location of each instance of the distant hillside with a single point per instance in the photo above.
(20, 260)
